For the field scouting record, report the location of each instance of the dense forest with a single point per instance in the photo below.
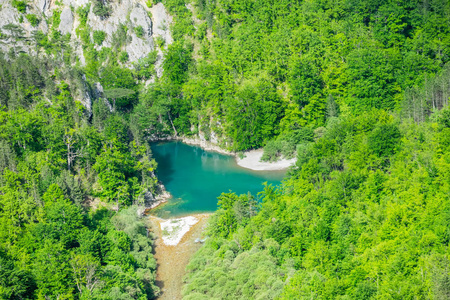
(58, 165)
(357, 90)
(257, 73)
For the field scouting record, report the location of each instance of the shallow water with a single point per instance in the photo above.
(196, 177)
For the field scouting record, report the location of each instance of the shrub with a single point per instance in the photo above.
(56, 19)
(145, 66)
(21, 6)
(159, 41)
(120, 37)
(123, 57)
(139, 31)
(100, 9)
(99, 36)
(83, 12)
(33, 19)
(272, 151)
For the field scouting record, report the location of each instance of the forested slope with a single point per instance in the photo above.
(59, 163)
(363, 215)
(362, 89)
(262, 70)
(357, 89)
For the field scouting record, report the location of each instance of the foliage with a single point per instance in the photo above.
(56, 19)
(145, 67)
(139, 31)
(285, 145)
(53, 162)
(99, 36)
(160, 42)
(351, 61)
(101, 9)
(83, 12)
(33, 19)
(362, 215)
(21, 6)
(123, 56)
(120, 37)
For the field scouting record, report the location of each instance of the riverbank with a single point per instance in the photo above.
(173, 259)
(252, 161)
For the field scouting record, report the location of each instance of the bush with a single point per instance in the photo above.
(83, 12)
(100, 9)
(145, 66)
(139, 31)
(123, 57)
(33, 19)
(21, 6)
(160, 42)
(99, 36)
(272, 151)
(120, 37)
(56, 18)
(277, 149)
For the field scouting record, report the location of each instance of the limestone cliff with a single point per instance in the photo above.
(142, 25)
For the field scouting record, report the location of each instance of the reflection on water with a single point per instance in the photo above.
(196, 178)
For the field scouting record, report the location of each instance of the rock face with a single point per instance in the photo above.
(41, 5)
(139, 17)
(133, 15)
(130, 13)
(75, 3)
(140, 46)
(161, 24)
(142, 25)
(66, 21)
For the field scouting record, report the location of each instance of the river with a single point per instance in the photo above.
(196, 177)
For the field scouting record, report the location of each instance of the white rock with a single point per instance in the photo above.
(75, 3)
(139, 17)
(138, 48)
(161, 22)
(174, 229)
(252, 161)
(41, 5)
(8, 14)
(66, 21)
(161, 27)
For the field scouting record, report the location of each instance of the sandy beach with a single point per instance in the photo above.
(252, 161)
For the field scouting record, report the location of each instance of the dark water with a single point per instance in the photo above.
(195, 178)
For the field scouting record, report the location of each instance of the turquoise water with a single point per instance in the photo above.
(195, 178)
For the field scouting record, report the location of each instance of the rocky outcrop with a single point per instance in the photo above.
(161, 24)
(140, 46)
(75, 3)
(142, 24)
(66, 21)
(127, 12)
(139, 17)
(8, 14)
(41, 5)
(133, 15)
